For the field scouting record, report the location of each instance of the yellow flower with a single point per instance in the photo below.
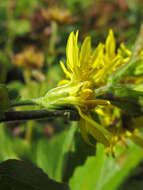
(30, 58)
(87, 70)
(85, 65)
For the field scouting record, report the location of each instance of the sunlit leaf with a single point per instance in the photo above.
(101, 172)
(6, 147)
(51, 154)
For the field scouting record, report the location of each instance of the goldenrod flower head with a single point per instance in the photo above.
(88, 70)
(85, 71)
(85, 65)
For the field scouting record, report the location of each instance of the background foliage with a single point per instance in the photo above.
(32, 41)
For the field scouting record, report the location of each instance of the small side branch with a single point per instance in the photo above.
(39, 115)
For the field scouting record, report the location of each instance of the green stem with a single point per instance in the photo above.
(11, 34)
(27, 76)
(53, 37)
(12, 116)
(52, 42)
(30, 124)
(29, 131)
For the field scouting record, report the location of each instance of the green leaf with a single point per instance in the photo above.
(139, 69)
(13, 90)
(22, 148)
(77, 155)
(20, 27)
(21, 175)
(76, 5)
(6, 147)
(25, 7)
(101, 172)
(51, 154)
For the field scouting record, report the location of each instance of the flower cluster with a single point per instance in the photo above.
(86, 71)
(30, 58)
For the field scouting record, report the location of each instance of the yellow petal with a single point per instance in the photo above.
(76, 50)
(110, 45)
(63, 82)
(128, 52)
(70, 51)
(67, 73)
(99, 111)
(97, 56)
(85, 52)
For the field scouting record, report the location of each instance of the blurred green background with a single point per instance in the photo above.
(33, 35)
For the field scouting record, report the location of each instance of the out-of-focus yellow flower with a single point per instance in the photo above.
(120, 128)
(85, 71)
(57, 14)
(30, 58)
